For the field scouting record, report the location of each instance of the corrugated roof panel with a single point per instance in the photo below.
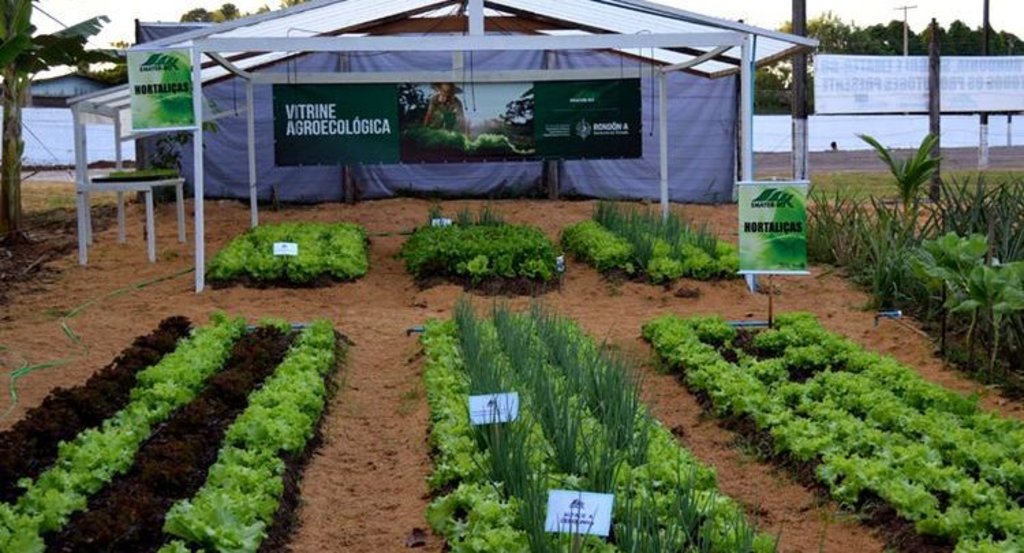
(327, 18)
(614, 17)
(617, 16)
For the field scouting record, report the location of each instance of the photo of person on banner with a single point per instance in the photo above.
(445, 110)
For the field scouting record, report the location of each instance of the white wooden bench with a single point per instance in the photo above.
(120, 186)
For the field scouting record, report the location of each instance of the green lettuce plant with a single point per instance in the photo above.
(480, 248)
(238, 500)
(332, 250)
(870, 426)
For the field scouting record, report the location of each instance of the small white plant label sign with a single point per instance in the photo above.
(493, 408)
(571, 512)
(440, 222)
(286, 248)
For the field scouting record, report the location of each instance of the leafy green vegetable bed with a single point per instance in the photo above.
(326, 252)
(236, 507)
(87, 463)
(250, 492)
(873, 429)
(581, 426)
(481, 251)
(639, 242)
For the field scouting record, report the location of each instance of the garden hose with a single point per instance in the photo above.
(26, 369)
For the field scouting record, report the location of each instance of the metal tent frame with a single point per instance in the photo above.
(673, 39)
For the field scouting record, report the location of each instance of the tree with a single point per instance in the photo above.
(831, 32)
(23, 54)
(228, 12)
(197, 15)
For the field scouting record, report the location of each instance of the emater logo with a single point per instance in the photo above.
(160, 62)
(774, 198)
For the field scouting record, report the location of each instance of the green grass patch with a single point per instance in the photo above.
(865, 184)
(326, 251)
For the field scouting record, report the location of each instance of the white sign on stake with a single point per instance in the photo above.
(286, 248)
(571, 512)
(493, 408)
(440, 222)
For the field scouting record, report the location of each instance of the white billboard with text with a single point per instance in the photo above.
(896, 84)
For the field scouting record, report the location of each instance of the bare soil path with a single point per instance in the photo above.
(365, 490)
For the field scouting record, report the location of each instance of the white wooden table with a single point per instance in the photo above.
(145, 187)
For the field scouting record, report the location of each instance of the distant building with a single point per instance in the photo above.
(55, 92)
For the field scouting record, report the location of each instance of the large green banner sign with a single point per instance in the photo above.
(588, 119)
(449, 122)
(773, 227)
(161, 89)
(333, 124)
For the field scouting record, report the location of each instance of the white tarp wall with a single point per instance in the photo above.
(895, 84)
(702, 139)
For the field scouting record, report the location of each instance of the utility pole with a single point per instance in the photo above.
(935, 107)
(906, 30)
(799, 112)
(983, 127)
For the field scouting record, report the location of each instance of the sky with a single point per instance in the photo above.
(1005, 14)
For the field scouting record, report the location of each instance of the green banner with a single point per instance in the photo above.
(773, 227)
(453, 122)
(332, 124)
(588, 119)
(161, 89)
(449, 122)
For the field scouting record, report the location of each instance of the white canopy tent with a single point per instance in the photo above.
(672, 39)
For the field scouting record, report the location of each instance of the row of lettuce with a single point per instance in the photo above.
(477, 248)
(873, 430)
(581, 426)
(234, 507)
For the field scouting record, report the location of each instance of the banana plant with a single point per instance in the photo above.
(23, 53)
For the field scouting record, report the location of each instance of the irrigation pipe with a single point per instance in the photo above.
(26, 369)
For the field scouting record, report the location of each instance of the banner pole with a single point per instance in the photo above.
(771, 303)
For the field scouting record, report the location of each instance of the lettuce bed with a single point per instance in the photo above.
(581, 426)
(873, 430)
(327, 252)
(206, 456)
(87, 463)
(639, 242)
(478, 254)
(250, 491)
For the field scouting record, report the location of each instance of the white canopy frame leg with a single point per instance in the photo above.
(746, 112)
(81, 181)
(663, 140)
(250, 117)
(746, 124)
(118, 165)
(198, 169)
